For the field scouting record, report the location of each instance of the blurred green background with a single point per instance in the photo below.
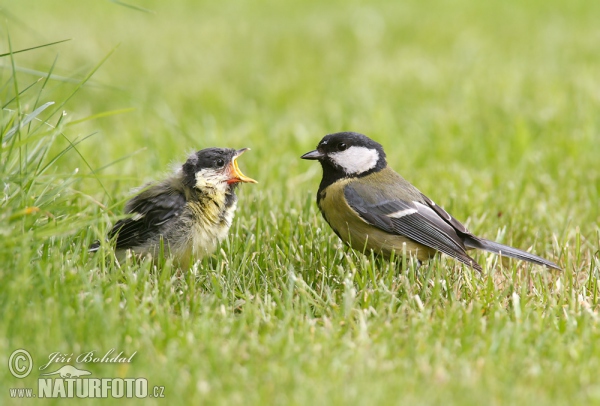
(457, 92)
(490, 108)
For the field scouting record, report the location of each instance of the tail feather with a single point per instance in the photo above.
(505, 250)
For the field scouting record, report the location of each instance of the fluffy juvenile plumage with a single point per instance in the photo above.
(189, 213)
(371, 207)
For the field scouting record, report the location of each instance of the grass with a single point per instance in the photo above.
(491, 109)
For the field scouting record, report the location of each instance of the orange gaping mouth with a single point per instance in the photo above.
(234, 169)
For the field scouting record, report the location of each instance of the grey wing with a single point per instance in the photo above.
(411, 219)
(151, 212)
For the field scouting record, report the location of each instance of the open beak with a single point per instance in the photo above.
(234, 169)
(313, 155)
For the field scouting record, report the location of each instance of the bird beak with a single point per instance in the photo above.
(234, 169)
(313, 155)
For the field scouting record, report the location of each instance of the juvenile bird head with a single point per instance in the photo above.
(348, 154)
(214, 168)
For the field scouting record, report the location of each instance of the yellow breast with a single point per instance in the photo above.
(359, 234)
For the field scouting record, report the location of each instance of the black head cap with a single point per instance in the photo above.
(337, 142)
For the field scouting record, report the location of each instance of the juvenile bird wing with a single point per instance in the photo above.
(151, 209)
(412, 219)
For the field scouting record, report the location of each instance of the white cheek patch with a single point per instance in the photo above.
(208, 178)
(356, 160)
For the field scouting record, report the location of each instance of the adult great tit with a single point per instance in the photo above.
(371, 207)
(189, 213)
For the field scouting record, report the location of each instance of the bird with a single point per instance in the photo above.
(187, 214)
(373, 208)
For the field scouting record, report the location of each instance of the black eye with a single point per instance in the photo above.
(341, 146)
(220, 163)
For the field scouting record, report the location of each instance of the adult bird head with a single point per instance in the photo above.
(347, 155)
(215, 168)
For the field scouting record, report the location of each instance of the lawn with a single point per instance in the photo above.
(489, 108)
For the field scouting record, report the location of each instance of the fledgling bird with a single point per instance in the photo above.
(371, 207)
(190, 212)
